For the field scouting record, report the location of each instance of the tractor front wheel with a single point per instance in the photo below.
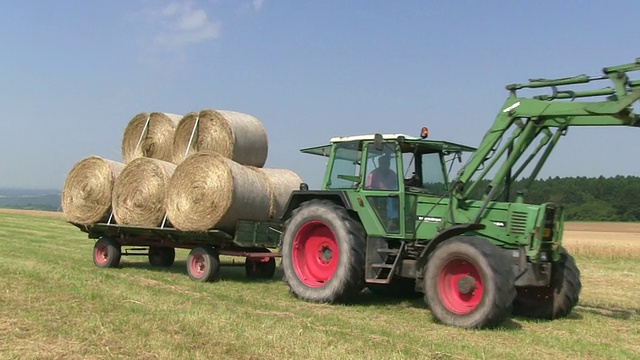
(323, 253)
(469, 283)
(106, 253)
(203, 264)
(555, 300)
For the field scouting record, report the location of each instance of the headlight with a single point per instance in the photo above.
(543, 257)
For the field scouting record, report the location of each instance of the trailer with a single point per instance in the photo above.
(256, 242)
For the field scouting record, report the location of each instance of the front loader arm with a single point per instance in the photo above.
(525, 118)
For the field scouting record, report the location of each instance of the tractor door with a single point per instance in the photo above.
(430, 190)
(382, 187)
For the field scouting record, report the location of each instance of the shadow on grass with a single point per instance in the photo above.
(613, 313)
(509, 324)
(368, 298)
(621, 314)
(574, 316)
(228, 272)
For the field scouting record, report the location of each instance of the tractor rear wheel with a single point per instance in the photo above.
(203, 264)
(106, 253)
(323, 253)
(469, 283)
(555, 300)
(161, 256)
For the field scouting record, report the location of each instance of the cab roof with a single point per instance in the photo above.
(407, 143)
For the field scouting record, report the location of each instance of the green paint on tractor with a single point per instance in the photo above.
(414, 230)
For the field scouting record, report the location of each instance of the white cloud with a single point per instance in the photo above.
(180, 24)
(257, 4)
(251, 6)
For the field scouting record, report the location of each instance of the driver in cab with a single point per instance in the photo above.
(382, 177)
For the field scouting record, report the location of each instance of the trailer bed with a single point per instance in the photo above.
(251, 240)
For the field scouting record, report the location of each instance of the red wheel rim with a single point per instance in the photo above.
(315, 254)
(197, 265)
(101, 254)
(457, 273)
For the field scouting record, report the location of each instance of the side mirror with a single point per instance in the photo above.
(378, 142)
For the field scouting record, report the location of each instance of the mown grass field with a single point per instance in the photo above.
(54, 303)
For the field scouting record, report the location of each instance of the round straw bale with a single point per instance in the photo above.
(86, 194)
(234, 135)
(156, 141)
(139, 192)
(282, 182)
(208, 191)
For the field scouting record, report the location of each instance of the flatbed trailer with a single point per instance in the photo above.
(256, 242)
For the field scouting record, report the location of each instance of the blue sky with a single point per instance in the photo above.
(73, 73)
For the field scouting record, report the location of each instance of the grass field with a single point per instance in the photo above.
(54, 303)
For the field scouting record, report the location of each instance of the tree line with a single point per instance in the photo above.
(586, 199)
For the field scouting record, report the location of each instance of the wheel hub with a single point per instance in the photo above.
(325, 254)
(102, 254)
(466, 284)
(315, 253)
(460, 286)
(198, 264)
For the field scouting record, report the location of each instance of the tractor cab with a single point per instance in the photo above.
(388, 219)
(386, 174)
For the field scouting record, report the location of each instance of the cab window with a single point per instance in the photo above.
(381, 169)
(345, 170)
(432, 176)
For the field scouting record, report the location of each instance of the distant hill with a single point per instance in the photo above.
(31, 199)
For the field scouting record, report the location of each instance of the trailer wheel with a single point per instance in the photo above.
(203, 264)
(161, 256)
(556, 300)
(260, 268)
(323, 253)
(106, 253)
(469, 283)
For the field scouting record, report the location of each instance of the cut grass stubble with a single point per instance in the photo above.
(55, 303)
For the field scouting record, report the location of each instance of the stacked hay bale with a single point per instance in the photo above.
(208, 191)
(236, 136)
(222, 181)
(149, 135)
(282, 182)
(87, 190)
(139, 192)
(209, 175)
(147, 149)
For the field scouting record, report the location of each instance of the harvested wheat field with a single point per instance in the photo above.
(604, 239)
(43, 213)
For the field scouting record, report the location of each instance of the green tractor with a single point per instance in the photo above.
(389, 219)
